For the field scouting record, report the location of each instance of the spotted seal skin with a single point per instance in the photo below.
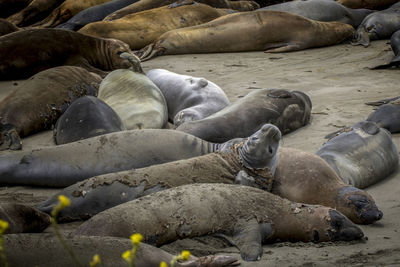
(134, 97)
(188, 98)
(26, 250)
(56, 47)
(86, 117)
(307, 178)
(203, 209)
(322, 10)
(93, 14)
(289, 32)
(378, 25)
(370, 4)
(150, 4)
(140, 29)
(361, 155)
(395, 44)
(250, 162)
(287, 110)
(7, 27)
(38, 102)
(387, 115)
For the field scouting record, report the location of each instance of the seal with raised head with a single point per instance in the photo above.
(395, 44)
(45, 250)
(370, 4)
(254, 157)
(188, 98)
(378, 25)
(307, 178)
(86, 117)
(288, 32)
(387, 115)
(38, 102)
(135, 98)
(7, 27)
(362, 154)
(322, 10)
(287, 110)
(140, 29)
(150, 4)
(55, 47)
(247, 216)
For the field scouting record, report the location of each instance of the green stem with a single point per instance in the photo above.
(2, 252)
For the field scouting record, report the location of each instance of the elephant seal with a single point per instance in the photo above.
(322, 10)
(188, 98)
(254, 158)
(249, 216)
(150, 4)
(45, 250)
(54, 47)
(361, 155)
(287, 110)
(93, 14)
(23, 219)
(39, 101)
(289, 32)
(387, 116)
(86, 117)
(370, 4)
(307, 178)
(7, 27)
(34, 12)
(378, 25)
(395, 44)
(137, 31)
(9, 7)
(134, 97)
(64, 165)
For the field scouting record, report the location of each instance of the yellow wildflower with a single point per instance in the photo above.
(95, 261)
(185, 255)
(136, 239)
(127, 255)
(163, 264)
(64, 201)
(3, 226)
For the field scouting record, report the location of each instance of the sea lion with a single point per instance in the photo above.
(307, 178)
(387, 115)
(86, 117)
(7, 27)
(395, 44)
(9, 7)
(67, 10)
(134, 97)
(288, 32)
(378, 25)
(64, 165)
(188, 98)
(45, 250)
(287, 110)
(370, 4)
(249, 216)
(140, 29)
(150, 4)
(38, 102)
(54, 47)
(34, 12)
(255, 156)
(23, 219)
(93, 14)
(322, 10)
(361, 155)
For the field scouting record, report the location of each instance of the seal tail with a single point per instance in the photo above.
(9, 138)
(149, 52)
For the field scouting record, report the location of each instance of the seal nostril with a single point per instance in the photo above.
(270, 150)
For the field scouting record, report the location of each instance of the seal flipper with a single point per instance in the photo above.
(383, 101)
(283, 47)
(9, 138)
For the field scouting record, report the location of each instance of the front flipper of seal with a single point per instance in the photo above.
(9, 138)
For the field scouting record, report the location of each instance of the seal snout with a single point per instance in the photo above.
(342, 229)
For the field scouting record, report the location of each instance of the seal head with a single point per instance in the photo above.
(342, 229)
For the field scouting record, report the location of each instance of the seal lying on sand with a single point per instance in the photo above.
(395, 44)
(387, 115)
(188, 98)
(378, 25)
(135, 98)
(370, 4)
(288, 32)
(323, 10)
(150, 4)
(86, 117)
(287, 110)
(255, 156)
(140, 29)
(45, 250)
(54, 47)
(7, 27)
(361, 155)
(249, 216)
(37, 103)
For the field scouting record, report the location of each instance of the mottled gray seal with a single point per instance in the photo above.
(188, 98)
(361, 155)
(287, 110)
(250, 162)
(387, 115)
(249, 216)
(135, 98)
(288, 32)
(86, 117)
(395, 44)
(37, 103)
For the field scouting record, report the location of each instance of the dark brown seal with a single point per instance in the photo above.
(7, 27)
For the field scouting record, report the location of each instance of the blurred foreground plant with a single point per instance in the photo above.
(3, 228)
(184, 256)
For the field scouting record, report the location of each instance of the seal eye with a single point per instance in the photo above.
(119, 53)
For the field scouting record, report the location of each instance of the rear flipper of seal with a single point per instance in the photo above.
(9, 138)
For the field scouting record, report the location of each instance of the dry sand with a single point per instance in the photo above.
(339, 83)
